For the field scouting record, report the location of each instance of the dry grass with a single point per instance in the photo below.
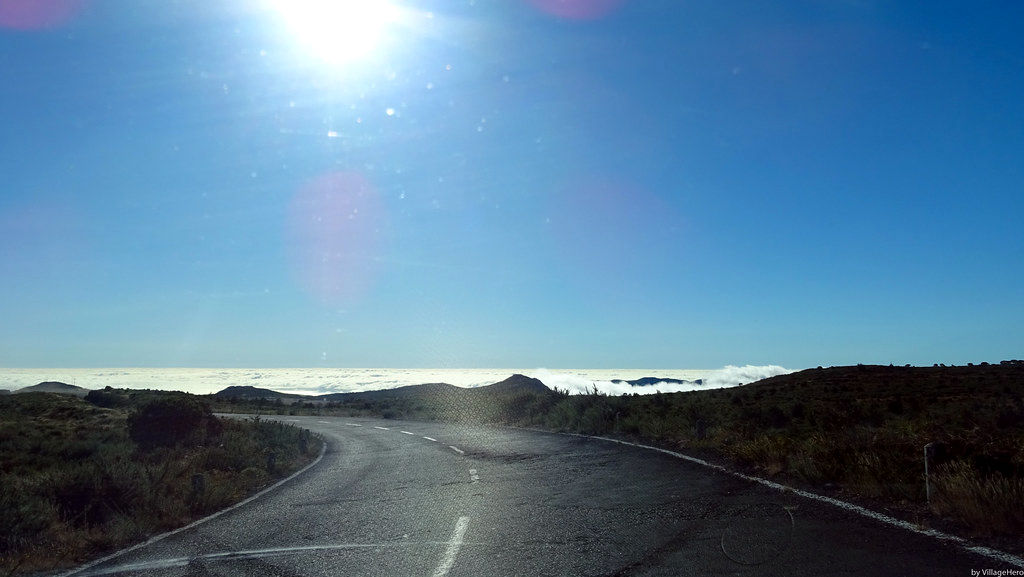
(73, 484)
(991, 504)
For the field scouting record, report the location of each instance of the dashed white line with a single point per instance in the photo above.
(381, 428)
(430, 439)
(353, 424)
(448, 559)
(406, 433)
(456, 449)
(325, 422)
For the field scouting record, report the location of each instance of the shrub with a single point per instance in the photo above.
(105, 399)
(24, 517)
(172, 421)
(596, 420)
(253, 478)
(72, 484)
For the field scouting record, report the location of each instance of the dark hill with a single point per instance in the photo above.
(648, 381)
(515, 384)
(426, 391)
(444, 392)
(938, 383)
(507, 400)
(54, 387)
(249, 392)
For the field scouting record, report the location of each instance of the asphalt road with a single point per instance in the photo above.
(395, 499)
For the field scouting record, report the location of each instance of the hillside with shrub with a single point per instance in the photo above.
(856, 432)
(81, 478)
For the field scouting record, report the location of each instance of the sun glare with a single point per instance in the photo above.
(338, 31)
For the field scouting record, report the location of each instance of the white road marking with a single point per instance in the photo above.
(995, 554)
(325, 422)
(448, 559)
(292, 420)
(162, 536)
(381, 428)
(430, 439)
(353, 425)
(406, 433)
(456, 449)
(473, 477)
(172, 562)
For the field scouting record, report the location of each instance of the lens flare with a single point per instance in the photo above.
(37, 14)
(335, 227)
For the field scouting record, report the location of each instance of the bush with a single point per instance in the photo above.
(172, 421)
(24, 517)
(106, 399)
(73, 485)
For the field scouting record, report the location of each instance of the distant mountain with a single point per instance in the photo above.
(54, 387)
(648, 381)
(433, 393)
(248, 392)
(511, 400)
(515, 384)
(431, 390)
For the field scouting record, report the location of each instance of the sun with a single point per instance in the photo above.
(338, 31)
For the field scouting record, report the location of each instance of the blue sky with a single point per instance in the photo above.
(511, 183)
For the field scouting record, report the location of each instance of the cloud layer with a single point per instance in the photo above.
(729, 376)
(323, 380)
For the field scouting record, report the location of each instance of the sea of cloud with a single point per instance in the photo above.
(581, 382)
(316, 381)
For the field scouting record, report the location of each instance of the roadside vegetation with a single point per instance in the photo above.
(83, 477)
(855, 432)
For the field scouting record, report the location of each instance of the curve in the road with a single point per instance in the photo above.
(78, 570)
(993, 554)
(545, 506)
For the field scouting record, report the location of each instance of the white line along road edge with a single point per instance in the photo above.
(985, 551)
(173, 562)
(162, 536)
(448, 559)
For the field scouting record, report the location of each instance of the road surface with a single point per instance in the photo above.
(397, 498)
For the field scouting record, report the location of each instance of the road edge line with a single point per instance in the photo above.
(197, 522)
(994, 554)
